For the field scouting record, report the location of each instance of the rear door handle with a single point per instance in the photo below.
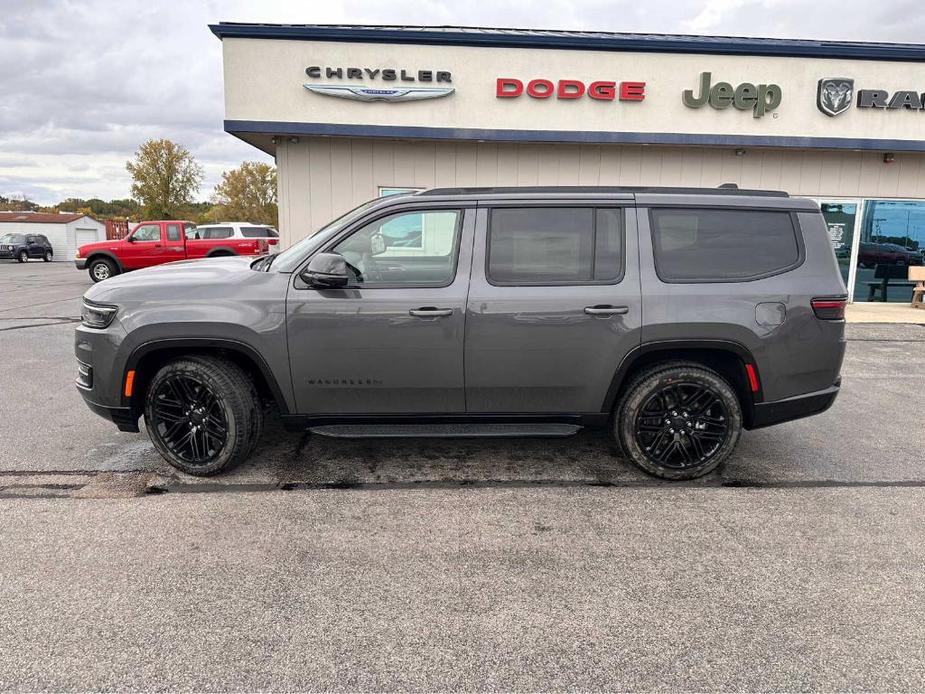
(430, 312)
(605, 310)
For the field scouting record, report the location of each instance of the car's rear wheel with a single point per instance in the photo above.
(47, 257)
(23, 256)
(203, 414)
(101, 269)
(679, 421)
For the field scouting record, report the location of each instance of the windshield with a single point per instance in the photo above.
(288, 260)
(11, 238)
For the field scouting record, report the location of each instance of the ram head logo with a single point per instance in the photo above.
(835, 95)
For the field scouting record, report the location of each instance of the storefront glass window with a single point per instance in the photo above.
(840, 218)
(892, 238)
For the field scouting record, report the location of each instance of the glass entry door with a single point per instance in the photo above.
(843, 218)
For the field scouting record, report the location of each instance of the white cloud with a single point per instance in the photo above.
(85, 83)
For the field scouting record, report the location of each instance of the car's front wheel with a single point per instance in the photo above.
(203, 414)
(23, 256)
(101, 269)
(679, 421)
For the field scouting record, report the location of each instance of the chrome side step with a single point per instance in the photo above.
(444, 431)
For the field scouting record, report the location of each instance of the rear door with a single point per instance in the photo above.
(174, 247)
(392, 341)
(554, 305)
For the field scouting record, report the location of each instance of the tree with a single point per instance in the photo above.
(165, 177)
(247, 194)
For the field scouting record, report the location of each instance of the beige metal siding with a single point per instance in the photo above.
(321, 178)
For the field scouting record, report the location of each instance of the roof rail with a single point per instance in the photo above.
(724, 189)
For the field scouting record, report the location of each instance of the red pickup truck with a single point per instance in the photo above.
(157, 242)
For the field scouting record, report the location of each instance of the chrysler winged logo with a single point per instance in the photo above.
(379, 93)
(835, 95)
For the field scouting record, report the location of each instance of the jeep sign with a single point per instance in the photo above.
(759, 98)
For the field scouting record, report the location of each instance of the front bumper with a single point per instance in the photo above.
(767, 414)
(100, 372)
(7, 254)
(80, 263)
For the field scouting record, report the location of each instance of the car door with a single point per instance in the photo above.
(141, 249)
(391, 342)
(554, 305)
(174, 248)
(33, 248)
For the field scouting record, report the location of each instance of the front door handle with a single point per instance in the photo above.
(606, 310)
(430, 312)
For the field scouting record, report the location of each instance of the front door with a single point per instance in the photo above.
(554, 306)
(142, 248)
(392, 341)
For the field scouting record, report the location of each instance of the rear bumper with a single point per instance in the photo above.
(80, 263)
(766, 414)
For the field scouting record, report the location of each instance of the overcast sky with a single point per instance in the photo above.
(84, 83)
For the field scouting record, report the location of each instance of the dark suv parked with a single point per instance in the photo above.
(675, 317)
(25, 246)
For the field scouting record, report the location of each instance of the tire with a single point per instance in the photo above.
(678, 421)
(102, 269)
(23, 256)
(47, 257)
(203, 414)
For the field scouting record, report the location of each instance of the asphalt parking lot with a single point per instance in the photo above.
(550, 564)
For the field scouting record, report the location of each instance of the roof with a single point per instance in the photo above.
(41, 217)
(725, 189)
(574, 40)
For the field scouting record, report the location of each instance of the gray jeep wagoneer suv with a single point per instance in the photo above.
(675, 317)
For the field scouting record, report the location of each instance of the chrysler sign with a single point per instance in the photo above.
(407, 91)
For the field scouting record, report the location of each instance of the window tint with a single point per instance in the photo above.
(555, 245)
(722, 245)
(173, 232)
(382, 257)
(259, 233)
(12, 238)
(147, 232)
(214, 232)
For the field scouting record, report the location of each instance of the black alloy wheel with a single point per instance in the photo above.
(189, 419)
(203, 414)
(679, 420)
(682, 425)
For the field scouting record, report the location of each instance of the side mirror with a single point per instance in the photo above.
(326, 271)
(130, 239)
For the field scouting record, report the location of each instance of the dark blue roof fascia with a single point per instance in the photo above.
(576, 40)
(242, 127)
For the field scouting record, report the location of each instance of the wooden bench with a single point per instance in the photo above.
(917, 275)
(884, 273)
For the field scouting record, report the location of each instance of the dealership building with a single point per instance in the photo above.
(355, 112)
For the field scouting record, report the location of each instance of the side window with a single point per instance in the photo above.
(411, 249)
(147, 232)
(173, 232)
(555, 245)
(722, 245)
(258, 233)
(216, 233)
(30, 239)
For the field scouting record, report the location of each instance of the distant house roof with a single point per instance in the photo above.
(575, 40)
(41, 217)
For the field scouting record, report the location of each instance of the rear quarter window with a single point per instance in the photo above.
(258, 233)
(733, 245)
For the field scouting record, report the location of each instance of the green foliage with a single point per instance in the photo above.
(165, 178)
(247, 194)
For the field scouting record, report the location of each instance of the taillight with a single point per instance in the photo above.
(829, 309)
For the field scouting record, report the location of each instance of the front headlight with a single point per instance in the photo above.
(97, 315)
(77, 255)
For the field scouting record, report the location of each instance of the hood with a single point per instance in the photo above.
(189, 278)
